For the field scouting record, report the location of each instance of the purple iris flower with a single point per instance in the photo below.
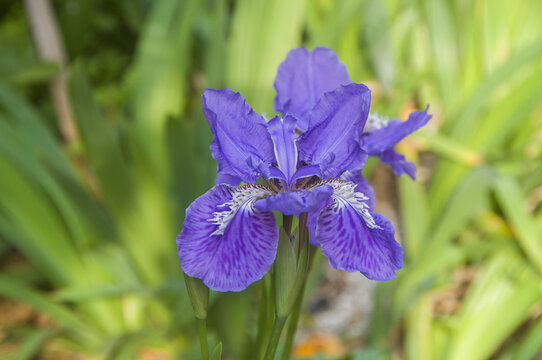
(309, 162)
(306, 75)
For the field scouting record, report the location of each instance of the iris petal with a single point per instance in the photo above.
(303, 77)
(332, 141)
(355, 239)
(241, 144)
(225, 241)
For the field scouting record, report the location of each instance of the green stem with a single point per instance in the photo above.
(265, 316)
(294, 317)
(292, 325)
(278, 324)
(202, 329)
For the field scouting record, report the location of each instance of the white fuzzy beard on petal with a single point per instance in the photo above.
(242, 196)
(343, 193)
(375, 122)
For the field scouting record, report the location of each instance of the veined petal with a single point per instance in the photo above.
(386, 137)
(296, 202)
(399, 163)
(335, 123)
(362, 186)
(283, 136)
(225, 241)
(303, 77)
(241, 144)
(312, 221)
(355, 239)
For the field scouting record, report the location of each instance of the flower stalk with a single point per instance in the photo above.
(292, 325)
(202, 331)
(278, 325)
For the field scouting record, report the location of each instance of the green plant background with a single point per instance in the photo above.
(87, 229)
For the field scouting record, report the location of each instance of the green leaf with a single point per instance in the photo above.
(483, 94)
(160, 78)
(415, 216)
(529, 345)
(254, 56)
(510, 198)
(17, 291)
(149, 212)
(499, 300)
(26, 217)
(375, 31)
(217, 352)
(31, 345)
(419, 331)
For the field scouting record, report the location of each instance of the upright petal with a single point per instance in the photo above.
(303, 77)
(241, 144)
(386, 137)
(296, 202)
(334, 130)
(225, 241)
(355, 239)
(283, 136)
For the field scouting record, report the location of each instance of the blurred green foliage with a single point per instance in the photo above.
(87, 229)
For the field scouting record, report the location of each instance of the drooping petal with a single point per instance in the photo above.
(303, 77)
(225, 241)
(386, 137)
(399, 163)
(355, 239)
(283, 136)
(296, 202)
(335, 126)
(241, 144)
(362, 186)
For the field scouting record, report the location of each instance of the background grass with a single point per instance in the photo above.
(87, 226)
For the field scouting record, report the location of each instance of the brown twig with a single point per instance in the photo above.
(49, 45)
(50, 48)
